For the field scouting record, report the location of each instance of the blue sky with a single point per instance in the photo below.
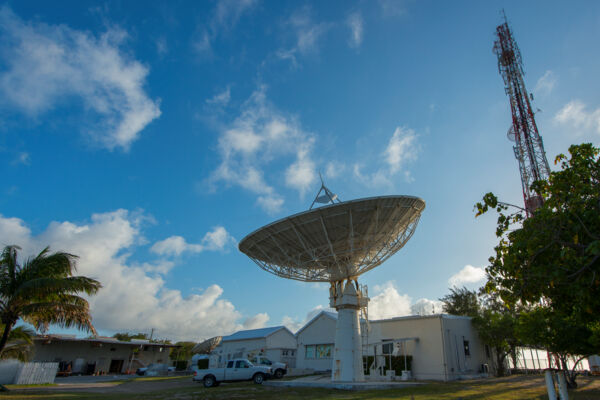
(149, 138)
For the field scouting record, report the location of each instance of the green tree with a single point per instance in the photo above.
(42, 291)
(126, 337)
(19, 343)
(552, 258)
(461, 301)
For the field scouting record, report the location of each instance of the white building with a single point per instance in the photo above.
(443, 347)
(277, 344)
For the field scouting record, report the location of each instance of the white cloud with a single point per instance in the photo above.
(355, 23)
(468, 275)
(223, 18)
(388, 303)
(22, 158)
(162, 47)
(217, 239)
(46, 65)
(221, 99)
(393, 8)
(333, 169)
(426, 307)
(137, 291)
(294, 324)
(307, 34)
(257, 321)
(576, 115)
(402, 149)
(259, 137)
(545, 84)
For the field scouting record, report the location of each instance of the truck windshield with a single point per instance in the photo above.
(265, 361)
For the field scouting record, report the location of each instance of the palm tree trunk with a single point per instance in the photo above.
(5, 334)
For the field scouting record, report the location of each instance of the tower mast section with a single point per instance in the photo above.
(528, 148)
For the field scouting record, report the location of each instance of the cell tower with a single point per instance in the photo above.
(528, 148)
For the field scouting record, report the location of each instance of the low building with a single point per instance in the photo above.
(316, 342)
(441, 347)
(276, 343)
(100, 355)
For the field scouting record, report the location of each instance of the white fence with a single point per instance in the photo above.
(533, 359)
(15, 372)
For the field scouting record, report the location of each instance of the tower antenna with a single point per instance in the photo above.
(528, 148)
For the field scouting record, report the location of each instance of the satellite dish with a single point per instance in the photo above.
(336, 243)
(207, 346)
(511, 134)
(328, 197)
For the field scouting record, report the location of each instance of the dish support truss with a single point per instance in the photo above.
(327, 265)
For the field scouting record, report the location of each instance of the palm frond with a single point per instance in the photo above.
(20, 342)
(48, 286)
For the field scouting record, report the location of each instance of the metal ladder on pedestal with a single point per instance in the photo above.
(364, 325)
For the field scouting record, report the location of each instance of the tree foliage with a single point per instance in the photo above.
(550, 261)
(42, 291)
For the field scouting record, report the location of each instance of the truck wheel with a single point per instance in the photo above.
(278, 373)
(258, 378)
(209, 381)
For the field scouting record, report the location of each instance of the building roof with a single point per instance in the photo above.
(429, 316)
(330, 314)
(254, 333)
(98, 339)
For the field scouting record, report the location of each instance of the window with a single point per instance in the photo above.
(284, 352)
(387, 348)
(466, 345)
(230, 364)
(265, 361)
(319, 351)
(239, 364)
(323, 351)
(488, 354)
(310, 352)
(292, 353)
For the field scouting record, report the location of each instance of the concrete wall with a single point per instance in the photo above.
(427, 352)
(80, 354)
(457, 330)
(319, 331)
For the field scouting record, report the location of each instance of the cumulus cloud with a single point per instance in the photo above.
(546, 83)
(257, 139)
(576, 115)
(388, 303)
(426, 307)
(468, 275)
(257, 321)
(217, 239)
(47, 65)
(137, 291)
(401, 150)
(355, 23)
(223, 18)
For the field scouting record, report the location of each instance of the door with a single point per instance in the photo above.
(116, 366)
(240, 371)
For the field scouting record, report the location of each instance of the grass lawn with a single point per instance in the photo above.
(510, 388)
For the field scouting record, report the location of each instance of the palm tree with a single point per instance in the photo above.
(43, 291)
(19, 343)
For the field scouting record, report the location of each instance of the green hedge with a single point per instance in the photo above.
(397, 364)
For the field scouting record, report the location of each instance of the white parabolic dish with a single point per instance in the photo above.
(335, 242)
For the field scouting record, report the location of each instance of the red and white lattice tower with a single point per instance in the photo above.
(528, 148)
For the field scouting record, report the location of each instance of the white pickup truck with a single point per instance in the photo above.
(236, 370)
(279, 369)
